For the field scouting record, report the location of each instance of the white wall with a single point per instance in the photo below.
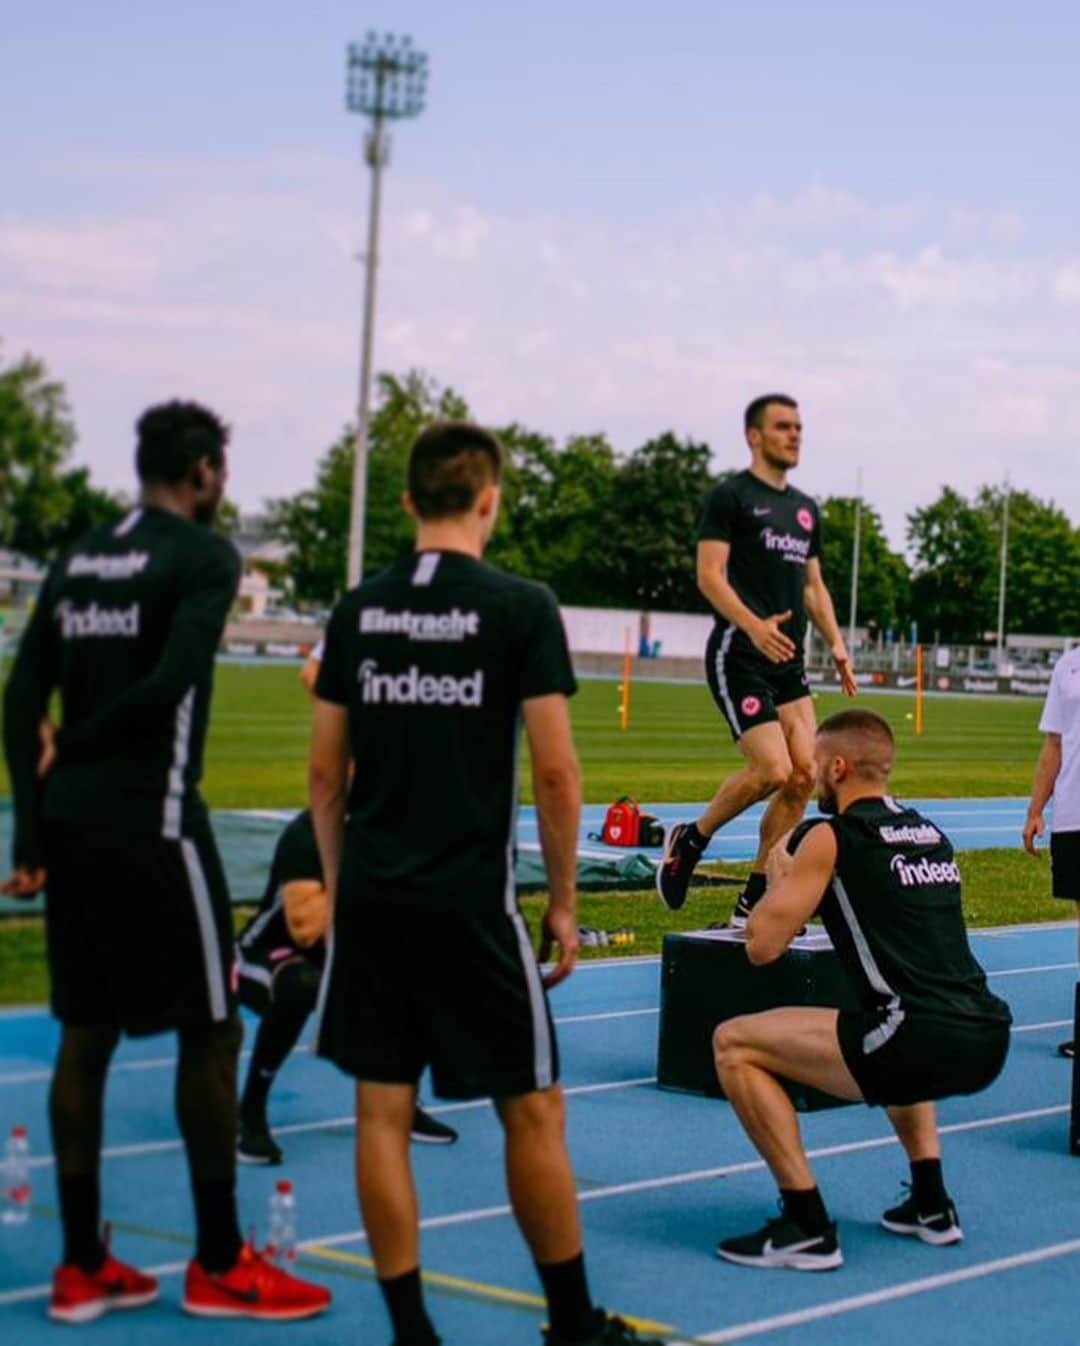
(603, 631)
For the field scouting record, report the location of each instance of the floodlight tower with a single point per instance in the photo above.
(386, 81)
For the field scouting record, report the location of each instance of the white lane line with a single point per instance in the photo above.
(905, 1289)
(1050, 1023)
(1025, 971)
(706, 1174)
(330, 1123)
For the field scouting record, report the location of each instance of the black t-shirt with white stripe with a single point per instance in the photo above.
(894, 914)
(126, 627)
(772, 533)
(296, 856)
(433, 659)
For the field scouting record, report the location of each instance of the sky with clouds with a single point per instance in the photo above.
(624, 217)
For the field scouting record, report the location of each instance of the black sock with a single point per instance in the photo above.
(928, 1186)
(755, 889)
(694, 838)
(80, 1212)
(807, 1209)
(570, 1307)
(217, 1237)
(404, 1297)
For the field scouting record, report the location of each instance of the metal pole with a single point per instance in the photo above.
(377, 149)
(1002, 578)
(855, 550)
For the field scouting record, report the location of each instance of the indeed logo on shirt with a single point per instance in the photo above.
(123, 567)
(924, 873)
(413, 688)
(793, 548)
(79, 623)
(454, 625)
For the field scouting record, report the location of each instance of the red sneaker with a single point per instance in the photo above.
(79, 1297)
(253, 1288)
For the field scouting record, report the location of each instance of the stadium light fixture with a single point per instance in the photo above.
(386, 81)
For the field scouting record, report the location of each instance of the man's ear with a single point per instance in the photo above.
(408, 506)
(487, 502)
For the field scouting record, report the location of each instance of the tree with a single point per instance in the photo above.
(884, 599)
(645, 550)
(315, 523)
(1043, 563)
(954, 584)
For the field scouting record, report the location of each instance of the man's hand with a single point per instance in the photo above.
(559, 927)
(307, 911)
(24, 883)
(1034, 827)
(846, 669)
(771, 641)
(47, 734)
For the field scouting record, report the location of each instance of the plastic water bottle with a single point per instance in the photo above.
(17, 1177)
(281, 1240)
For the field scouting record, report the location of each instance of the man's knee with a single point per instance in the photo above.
(221, 1040)
(538, 1113)
(771, 774)
(296, 987)
(728, 1040)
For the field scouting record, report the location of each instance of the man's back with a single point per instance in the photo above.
(433, 659)
(131, 618)
(894, 912)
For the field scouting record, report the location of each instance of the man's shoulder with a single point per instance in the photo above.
(1068, 665)
(801, 500)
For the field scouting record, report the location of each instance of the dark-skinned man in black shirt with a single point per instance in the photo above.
(429, 671)
(886, 884)
(758, 564)
(109, 819)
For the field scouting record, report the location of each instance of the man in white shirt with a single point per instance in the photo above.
(1058, 774)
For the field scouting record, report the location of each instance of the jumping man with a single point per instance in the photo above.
(758, 563)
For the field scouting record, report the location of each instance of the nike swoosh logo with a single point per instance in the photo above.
(929, 1219)
(802, 1247)
(760, 513)
(250, 1296)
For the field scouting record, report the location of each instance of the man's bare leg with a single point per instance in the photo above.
(389, 1205)
(768, 766)
(788, 804)
(752, 1053)
(928, 1213)
(543, 1195)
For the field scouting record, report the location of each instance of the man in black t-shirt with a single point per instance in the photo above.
(759, 565)
(428, 672)
(886, 884)
(279, 961)
(108, 817)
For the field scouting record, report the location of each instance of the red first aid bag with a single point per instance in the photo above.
(622, 823)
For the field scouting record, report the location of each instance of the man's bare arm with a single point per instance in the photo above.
(556, 780)
(328, 786)
(797, 884)
(712, 580)
(1047, 770)
(820, 610)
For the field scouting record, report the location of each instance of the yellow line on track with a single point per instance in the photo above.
(499, 1293)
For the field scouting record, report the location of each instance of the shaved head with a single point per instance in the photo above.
(854, 744)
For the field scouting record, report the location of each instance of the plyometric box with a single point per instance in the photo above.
(706, 978)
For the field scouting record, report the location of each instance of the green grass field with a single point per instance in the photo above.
(677, 748)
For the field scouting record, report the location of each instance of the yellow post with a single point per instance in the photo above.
(918, 689)
(624, 704)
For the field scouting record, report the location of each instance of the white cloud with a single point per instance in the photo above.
(924, 344)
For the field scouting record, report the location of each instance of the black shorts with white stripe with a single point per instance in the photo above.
(408, 989)
(139, 929)
(917, 1058)
(745, 686)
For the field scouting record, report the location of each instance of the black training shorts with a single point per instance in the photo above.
(1065, 865)
(139, 929)
(925, 1059)
(408, 988)
(746, 686)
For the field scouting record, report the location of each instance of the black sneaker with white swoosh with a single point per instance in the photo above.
(939, 1228)
(783, 1243)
